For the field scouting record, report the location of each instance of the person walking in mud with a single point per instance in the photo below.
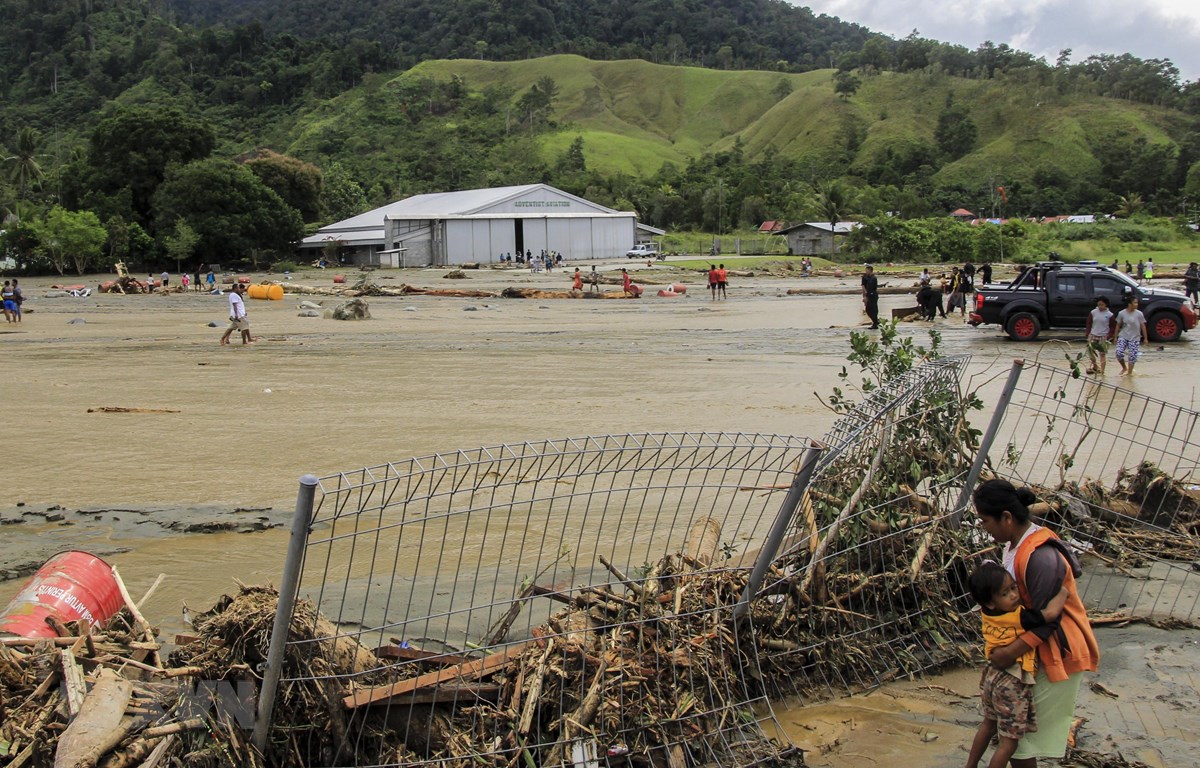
(18, 297)
(594, 280)
(238, 321)
(712, 281)
(722, 280)
(10, 306)
(1191, 282)
(577, 281)
(1131, 334)
(870, 293)
(1099, 332)
(1042, 566)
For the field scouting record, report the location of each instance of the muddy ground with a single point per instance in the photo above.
(227, 432)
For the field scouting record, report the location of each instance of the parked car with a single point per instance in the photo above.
(1052, 294)
(643, 251)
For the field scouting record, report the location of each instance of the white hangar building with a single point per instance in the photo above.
(477, 226)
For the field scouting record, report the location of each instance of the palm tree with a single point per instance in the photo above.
(1129, 205)
(23, 167)
(834, 201)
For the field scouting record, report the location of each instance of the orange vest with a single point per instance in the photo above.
(1083, 652)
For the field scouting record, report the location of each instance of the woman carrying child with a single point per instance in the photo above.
(1041, 566)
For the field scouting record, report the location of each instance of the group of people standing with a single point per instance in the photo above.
(952, 292)
(718, 279)
(12, 298)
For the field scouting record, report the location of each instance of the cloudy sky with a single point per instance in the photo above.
(1148, 29)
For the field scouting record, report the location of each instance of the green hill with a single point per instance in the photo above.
(634, 116)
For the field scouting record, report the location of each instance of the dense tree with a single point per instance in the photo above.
(297, 182)
(71, 238)
(956, 132)
(234, 214)
(132, 148)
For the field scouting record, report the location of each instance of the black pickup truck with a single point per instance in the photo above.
(1053, 294)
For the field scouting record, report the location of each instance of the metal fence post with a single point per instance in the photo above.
(283, 612)
(787, 511)
(985, 443)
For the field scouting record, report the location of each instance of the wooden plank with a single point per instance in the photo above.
(457, 674)
(449, 694)
(416, 654)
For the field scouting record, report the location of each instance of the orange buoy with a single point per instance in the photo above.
(664, 293)
(679, 288)
(339, 278)
(272, 292)
(244, 280)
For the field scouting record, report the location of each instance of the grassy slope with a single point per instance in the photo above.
(634, 116)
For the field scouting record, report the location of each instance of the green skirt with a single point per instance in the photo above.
(1055, 706)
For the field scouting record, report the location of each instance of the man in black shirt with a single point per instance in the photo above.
(870, 292)
(985, 273)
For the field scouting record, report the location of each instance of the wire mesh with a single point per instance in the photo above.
(871, 583)
(598, 574)
(1118, 471)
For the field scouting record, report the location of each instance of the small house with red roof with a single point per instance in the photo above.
(962, 214)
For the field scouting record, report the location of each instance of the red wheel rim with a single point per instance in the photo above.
(1023, 327)
(1165, 327)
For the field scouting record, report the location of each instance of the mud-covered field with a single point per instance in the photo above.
(198, 479)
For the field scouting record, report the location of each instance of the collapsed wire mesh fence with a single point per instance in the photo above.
(579, 600)
(870, 584)
(1119, 475)
(561, 600)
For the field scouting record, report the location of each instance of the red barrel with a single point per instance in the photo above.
(69, 586)
(339, 278)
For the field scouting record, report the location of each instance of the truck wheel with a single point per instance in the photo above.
(1023, 326)
(1165, 327)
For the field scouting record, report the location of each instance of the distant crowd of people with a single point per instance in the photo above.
(545, 261)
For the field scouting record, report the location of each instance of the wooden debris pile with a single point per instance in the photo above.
(1145, 514)
(648, 671)
(97, 698)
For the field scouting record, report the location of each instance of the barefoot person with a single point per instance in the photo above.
(1006, 696)
(1099, 331)
(238, 321)
(1041, 565)
(1131, 334)
(577, 280)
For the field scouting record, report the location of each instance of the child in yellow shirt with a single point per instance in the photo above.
(1006, 695)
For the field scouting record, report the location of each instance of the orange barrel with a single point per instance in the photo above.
(339, 278)
(679, 288)
(664, 293)
(266, 291)
(244, 280)
(107, 285)
(69, 586)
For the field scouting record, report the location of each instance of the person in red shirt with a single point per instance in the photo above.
(627, 283)
(712, 280)
(722, 280)
(577, 281)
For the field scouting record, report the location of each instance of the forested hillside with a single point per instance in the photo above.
(119, 117)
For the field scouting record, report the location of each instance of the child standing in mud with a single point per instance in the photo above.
(1006, 695)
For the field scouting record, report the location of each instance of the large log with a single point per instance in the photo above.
(97, 728)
